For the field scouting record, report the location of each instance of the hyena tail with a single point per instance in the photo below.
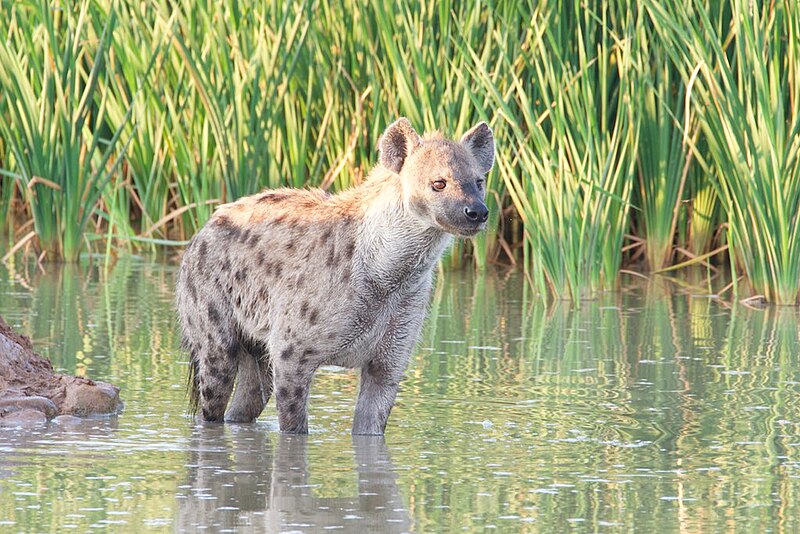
(193, 385)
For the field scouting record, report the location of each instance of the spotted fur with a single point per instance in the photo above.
(284, 281)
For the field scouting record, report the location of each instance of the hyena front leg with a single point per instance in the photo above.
(378, 388)
(253, 386)
(292, 384)
(381, 375)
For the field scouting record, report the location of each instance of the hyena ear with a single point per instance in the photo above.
(396, 143)
(480, 143)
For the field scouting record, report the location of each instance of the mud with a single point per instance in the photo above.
(32, 393)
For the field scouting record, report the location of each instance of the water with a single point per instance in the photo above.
(644, 409)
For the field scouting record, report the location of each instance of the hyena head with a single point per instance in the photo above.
(444, 181)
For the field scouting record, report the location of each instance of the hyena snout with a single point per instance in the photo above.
(476, 213)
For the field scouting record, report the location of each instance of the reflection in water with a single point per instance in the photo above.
(237, 478)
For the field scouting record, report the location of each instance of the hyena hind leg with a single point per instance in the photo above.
(253, 386)
(214, 366)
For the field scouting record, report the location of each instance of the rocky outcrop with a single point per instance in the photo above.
(31, 393)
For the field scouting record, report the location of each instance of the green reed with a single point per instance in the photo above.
(565, 94)
(744, 68)
(662, 159)
(124, 124)
(54, 98)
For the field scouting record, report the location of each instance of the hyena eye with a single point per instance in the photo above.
(438, 185)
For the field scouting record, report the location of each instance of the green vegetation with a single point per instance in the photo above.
(637, 135)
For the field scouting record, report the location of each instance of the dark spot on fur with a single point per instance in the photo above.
(202, 251)
(325, 237)
(239, 301)
(288, 331)
(287, 352)
(283, 392)
(213, 313)
(192, 290)
(245, 236)
(304, 309)
(332, 260)
(263, 294)
(349, 249)
(255, 392)
(278, 268)
(254, 240)
(271, 198)
(232, 349)
(208, 392)
(292, 407)
(229, 230)
(260, 257)
(313, 316)
(226, 265)
(298, 391)
(289, 245)
(241, 274)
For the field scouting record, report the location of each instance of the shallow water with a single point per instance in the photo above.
(644, 409)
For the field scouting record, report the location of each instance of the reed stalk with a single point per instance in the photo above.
(746, 94)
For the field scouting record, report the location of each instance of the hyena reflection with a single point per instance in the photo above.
(284, 281)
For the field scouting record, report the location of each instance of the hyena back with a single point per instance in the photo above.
(284, 281)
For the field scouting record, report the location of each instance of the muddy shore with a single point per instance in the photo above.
(32, 393)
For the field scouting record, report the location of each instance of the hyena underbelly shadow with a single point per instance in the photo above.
(238, 478)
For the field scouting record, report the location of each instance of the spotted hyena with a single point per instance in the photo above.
(284, 281)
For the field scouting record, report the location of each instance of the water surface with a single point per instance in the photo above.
(647, 408)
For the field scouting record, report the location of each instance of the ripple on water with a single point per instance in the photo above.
(606, 416)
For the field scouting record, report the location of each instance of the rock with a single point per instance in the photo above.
(11, 403)
(23, 418)
(28, 384)
(85, 397)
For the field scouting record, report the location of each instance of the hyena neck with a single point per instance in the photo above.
(397, 248)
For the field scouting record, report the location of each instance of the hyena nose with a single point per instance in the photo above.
(477, 213)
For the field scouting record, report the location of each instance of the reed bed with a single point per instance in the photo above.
(633, 137)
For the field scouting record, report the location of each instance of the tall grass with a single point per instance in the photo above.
(663, 158)
(746, 93)
(52, 93)
(566, 101)
(630, 135)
